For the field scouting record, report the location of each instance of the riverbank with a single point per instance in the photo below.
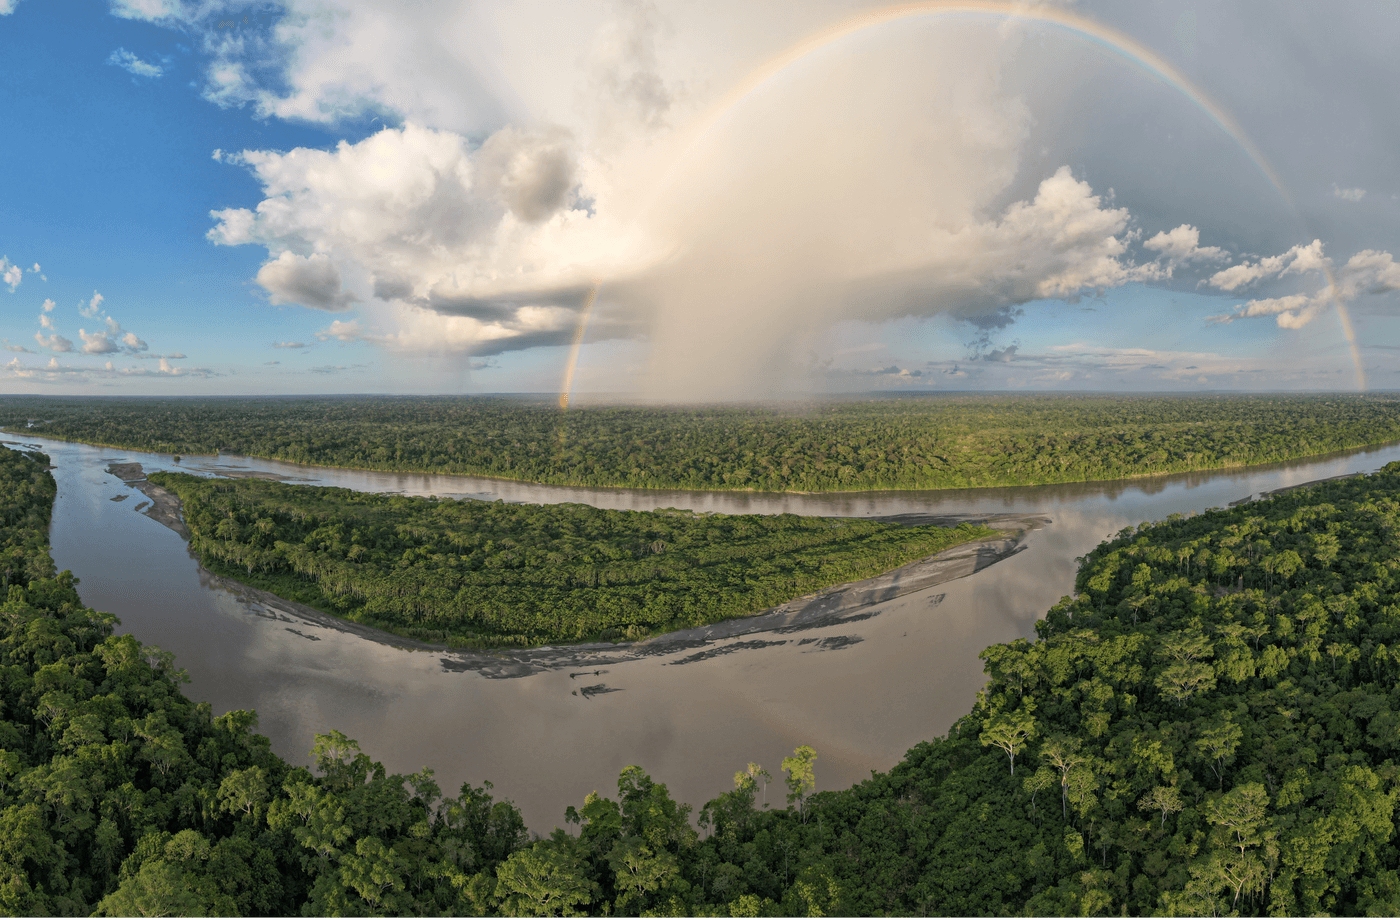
(832, 606)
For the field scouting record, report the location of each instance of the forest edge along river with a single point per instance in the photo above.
(861, 688)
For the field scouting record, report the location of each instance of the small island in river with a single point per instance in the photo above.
(488, 575)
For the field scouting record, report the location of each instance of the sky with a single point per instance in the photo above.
(684, 201)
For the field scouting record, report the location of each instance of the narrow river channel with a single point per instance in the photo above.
(861, 690)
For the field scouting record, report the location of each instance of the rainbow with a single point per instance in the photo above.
(1116, 43)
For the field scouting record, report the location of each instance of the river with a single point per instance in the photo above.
(861, 690)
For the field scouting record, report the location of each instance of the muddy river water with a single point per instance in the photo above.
(860, 689)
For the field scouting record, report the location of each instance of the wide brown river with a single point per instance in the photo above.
(861, 691)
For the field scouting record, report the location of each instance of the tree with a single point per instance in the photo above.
(1183, 680)
(1064, 754)
(244, 791)
(544, 880)
(1010, 731)
(1165, 799)
(639, 872)
(1241, 814)
(1218, 744)
(801, 777)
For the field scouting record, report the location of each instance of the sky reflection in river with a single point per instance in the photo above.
(861, 691)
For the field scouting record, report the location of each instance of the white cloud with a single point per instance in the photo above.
(158, 11)
(48, 304)
(342, 330)
(111, 340)
(554, 147)
(1348, 194)
(94, 306)
(1369, 272)
(1296, 261)
(54, 372)
(290, 344)
(1183, 244)
(312, 281)
(10, 274)
(416, 217)
(133, 65)
(53, 342)
(15, 348)
(8, 6)
(97, 343)
(1066, 243)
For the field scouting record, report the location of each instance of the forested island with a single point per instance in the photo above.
(925, 441)
(1210, 725)
(474, 573)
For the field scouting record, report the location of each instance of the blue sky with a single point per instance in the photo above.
(336, 196)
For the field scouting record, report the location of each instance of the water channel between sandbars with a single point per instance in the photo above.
(861, 691)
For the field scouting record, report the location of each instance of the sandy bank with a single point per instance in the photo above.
(833, 606)
(1271, 493)
(164, 507)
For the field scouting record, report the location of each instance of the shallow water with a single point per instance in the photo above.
(861, 691)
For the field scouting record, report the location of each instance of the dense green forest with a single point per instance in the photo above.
(931, 441)
(1209, 726)
(489, 573)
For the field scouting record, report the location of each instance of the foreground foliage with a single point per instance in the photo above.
(1209, 726)
(939, 441)
(477, 572)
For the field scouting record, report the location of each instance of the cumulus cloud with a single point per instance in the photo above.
(532, 173)
(1367, 273)
(770, 224)
(134, 65)
(342, 331)
(1348, 194)
(548, 154)
(54, 342)
(312, 281)
(93, 307)
(55, 372)
(484, 242)
(112, 340)
(15, 348)
(10, 274)
(1296, 261)
(48, 304)
(160, 11)
(8, 6)
(1183, 244)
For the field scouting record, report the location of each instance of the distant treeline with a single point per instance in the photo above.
(484, 573)
(907, 442)
(1209, 727)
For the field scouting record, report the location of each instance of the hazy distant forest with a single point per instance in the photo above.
(1209, 726)
(941, 441)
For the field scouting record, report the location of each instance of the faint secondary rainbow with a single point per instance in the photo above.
(1120, 45)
